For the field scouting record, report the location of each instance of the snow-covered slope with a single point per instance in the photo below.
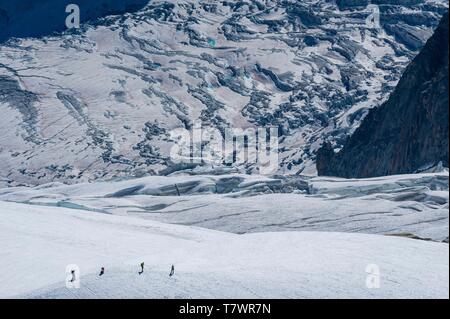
(404, 205)
(102, 101)
(39, 242)
(85, 132)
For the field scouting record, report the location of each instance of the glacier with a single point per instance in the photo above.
(403, 205)
(86, 176)
(209, 264)
(100, 102)
(229, 236)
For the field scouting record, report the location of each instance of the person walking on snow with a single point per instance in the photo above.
(73, 276)
(172, 271)
(142, 268)
(102, 271)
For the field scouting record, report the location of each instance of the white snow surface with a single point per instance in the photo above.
(237, 237)
(414, 204)
(209, 264)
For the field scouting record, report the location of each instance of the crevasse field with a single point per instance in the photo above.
(85, 109)
(228, 236)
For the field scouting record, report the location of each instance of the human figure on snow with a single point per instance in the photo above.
(102, 271)
(73, 276)
(172, 271)
(142, 268)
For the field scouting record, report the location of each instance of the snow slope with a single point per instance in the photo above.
(407, 205)
(39, 242)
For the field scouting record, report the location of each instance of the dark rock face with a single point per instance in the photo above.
(23, 101)
(346, 4)
(407, 132)
(25, 18)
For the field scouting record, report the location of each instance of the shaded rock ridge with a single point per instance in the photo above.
(25, 18)
(410, 130)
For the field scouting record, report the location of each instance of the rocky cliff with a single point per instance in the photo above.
(410, 130)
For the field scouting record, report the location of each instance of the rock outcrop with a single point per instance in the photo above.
(410, 130)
